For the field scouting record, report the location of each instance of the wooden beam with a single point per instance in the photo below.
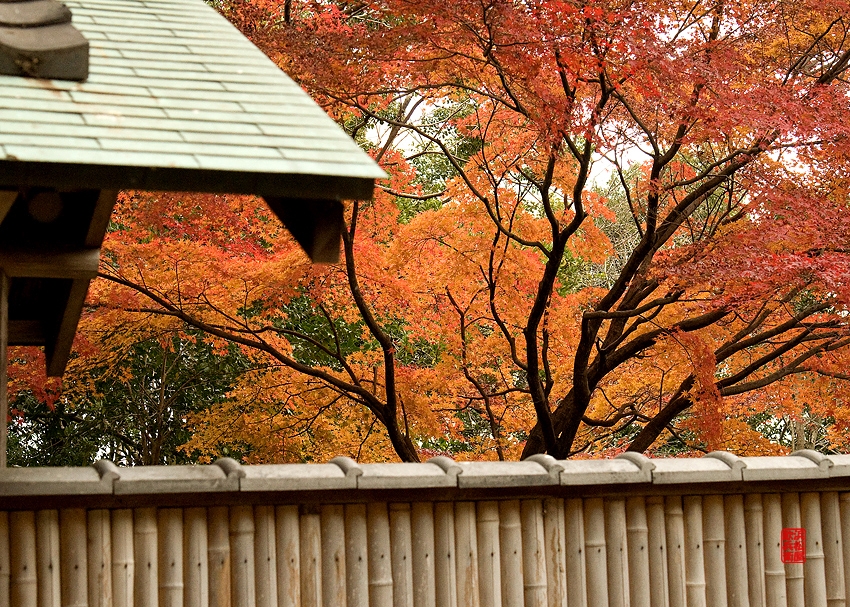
(315, 224)
(4, 372)
(26, 333)
(100, 218)
(7, 199)
(81, 264)
(58, 344)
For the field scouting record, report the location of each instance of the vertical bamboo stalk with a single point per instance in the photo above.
(100, 558)
(218, 556)
(659, 594)
(310, 547)
(776, 594)
(401, 554)
(833, 549)
(596, 558)
(510, 538)
(616, 545)
(555, 550)
(265, 557)
(242, 587)
(754, 521)
(196, 583)
(424, 588)
(5, 562)
(332, 525)
(694, 559)
(466, 554)
(380, 567)
(714, 550)
(675, 524)
(356, 556)
(47, 558)
(170, 530)
(145, 554)
(844, 514)
(574, 530)
(814, 569)
(287, 536)
(637, 538)
(445, 573)
(794, 582)
(736, 551)
(72, 550)
(489, 566)
(23, 559)
(533, 553)
(123, 565)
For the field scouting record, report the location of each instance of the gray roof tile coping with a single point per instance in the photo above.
(603, 472)
(404, 476)
(53, 481)
(700, 470)
(295, 477)
(173, 479)
(504, 474)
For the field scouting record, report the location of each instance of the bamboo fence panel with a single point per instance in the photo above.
(694, 555)
(616, 546)
(48, 585)
(595, 552)
(675, 526)
(218, 556)
(575, 551)
(24, 583)
(145, 586)
(424, 590)
(736, 551)
(380, 565)
(776, 592)
(794, 572)
(533, 557)
(555, 551)
(401, 554)
(510, 563)
(466, 554)
(242, 567)
(754, 522)
(832, 549)
(637, 537)
(714, 550)
(356, 556)
(659, 593)
(814, 568)
(100, 558)
(123, 563)
(196, 579)
(170, 528)
(332, 526)
(265, 557)
(73, 553)
(445, 573)
(844, 512)
(5, 562)
(310, 548)
(489, 565)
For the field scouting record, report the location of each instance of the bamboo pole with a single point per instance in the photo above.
(100, 558)
(466, 551)
(533, 553)
(310, 547)
(5, 560)
(218, 556)
(833, 550)
(170, 532)
(242, 588)
(814, 568)
(555, 550)
(265, 557)
(637, 539)
(72, 550)
(794, 582)
(489, 563)
(123, 565)
(595, 552)
(659, 594)
(49, 590)
(510, 538)
(736, 551)
(844, 512)
(574, 531)
(380, 567)
(424, 588)
(401, 554)
(145, 555)
(288, 558)
(694, 558)
(332, 525)
(23, 559)
(754, 521)
(776, 594)
(356, 556)
(616, 545)
(714, 550)
(675, 524)
(445, 573)
(196, 583)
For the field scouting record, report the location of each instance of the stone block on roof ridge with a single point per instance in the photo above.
(348, 466)
(447, 464)
(107, 470)
(230, 467)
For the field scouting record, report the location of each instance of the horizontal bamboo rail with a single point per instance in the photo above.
(507, 535)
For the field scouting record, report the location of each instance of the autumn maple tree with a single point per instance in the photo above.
(607, 225)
